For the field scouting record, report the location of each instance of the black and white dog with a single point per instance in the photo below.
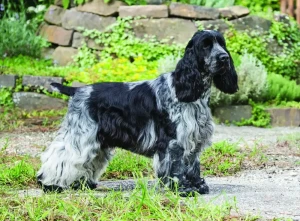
(167, 118)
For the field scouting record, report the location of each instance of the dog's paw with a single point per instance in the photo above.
(202, 186)
(83, 184)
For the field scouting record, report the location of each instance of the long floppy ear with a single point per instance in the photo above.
(187, 79)
(228, 81)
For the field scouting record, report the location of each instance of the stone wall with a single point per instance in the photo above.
(177, 22)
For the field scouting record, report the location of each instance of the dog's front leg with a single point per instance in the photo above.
(193, 173)
(170, 168)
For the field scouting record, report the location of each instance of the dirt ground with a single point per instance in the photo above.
(270, 191)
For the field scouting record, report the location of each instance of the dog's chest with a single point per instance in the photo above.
(194, 126)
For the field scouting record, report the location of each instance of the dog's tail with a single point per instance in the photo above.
(70, 91)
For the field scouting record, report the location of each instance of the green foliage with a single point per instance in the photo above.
(252, 81)
(18, 37)
(12, 118)
(116, 70)
(126, 164)
(285, 36)
(259, 117)
(25, 65)
(15, 171)
(223, 158)
(282, 89)
(259, 5)
(120, 41)
(208, 3)
(85, 57)
(6, 97)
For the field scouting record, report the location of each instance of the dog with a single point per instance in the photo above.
(167, 119)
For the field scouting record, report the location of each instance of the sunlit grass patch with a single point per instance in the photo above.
(126, 164)
(17, 171)
(141, 204)
(223, 158)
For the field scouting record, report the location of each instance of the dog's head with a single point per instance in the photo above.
(206, 59)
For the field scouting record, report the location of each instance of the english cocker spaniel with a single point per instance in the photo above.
(167, 118)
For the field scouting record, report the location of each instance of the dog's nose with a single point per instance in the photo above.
(223, 58)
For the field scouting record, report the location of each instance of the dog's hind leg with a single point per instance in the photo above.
(67, 160)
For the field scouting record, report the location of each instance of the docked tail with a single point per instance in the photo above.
(70, 91)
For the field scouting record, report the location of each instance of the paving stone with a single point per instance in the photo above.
(8, 80)
(36, 81)
(36, 101)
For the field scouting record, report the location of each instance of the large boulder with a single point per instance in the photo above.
(179, 30)
(36, 101)
(54, 15)
(193, 11)
(150, 11)
(56, 35)
(101, 8)
(74, 19)
(63, 56)
(219, 25)
(252, 22)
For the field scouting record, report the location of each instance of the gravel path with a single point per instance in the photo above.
(270, 192)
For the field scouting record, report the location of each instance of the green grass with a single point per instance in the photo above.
(141, 204)
(223, 158)
(292, 140)
(18, 172)
(126, 164)
(13, 118)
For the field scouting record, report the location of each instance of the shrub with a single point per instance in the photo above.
(252, 81)
(282, 89)
(287, 36)
(18, 37)
(168, 63)
(120, 69)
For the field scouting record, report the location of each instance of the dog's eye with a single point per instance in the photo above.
(207, 43)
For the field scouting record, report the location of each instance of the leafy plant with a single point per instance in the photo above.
(258, 5)
(116, 70)
(259, 117)
(252, 81)
(6, 97)
(18, 37)
(223, 158)
(282, 89)
(120, 41)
